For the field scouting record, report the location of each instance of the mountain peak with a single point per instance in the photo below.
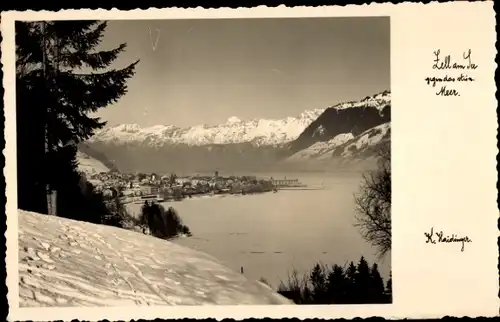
(379, 101)
(131, 128)
(233, 120)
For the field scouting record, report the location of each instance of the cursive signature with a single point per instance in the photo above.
(441, 238)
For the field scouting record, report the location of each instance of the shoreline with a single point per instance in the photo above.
(225, 194)
(197, 196)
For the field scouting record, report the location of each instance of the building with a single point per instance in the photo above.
(285, 182)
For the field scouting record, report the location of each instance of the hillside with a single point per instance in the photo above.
(69, 263)
(347, 147)
(90, 165)
(99, 156)
(351, 118)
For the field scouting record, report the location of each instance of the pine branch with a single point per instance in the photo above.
(95, 61)
(96, 90)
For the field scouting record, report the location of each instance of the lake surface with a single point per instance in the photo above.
(270, 234)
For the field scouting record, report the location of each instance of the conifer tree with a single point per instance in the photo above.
(388, 289)
(60, 79)
(351, 283)
(377, 288)
(318, 282)
(337, 285)
(362, 281)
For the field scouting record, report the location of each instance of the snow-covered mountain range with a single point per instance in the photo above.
(67, 263)
(252, 145)
(258, 132)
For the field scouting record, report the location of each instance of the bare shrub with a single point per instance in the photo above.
(373, 204)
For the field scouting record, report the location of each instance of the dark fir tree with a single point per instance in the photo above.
(337, 285)
(362, 281)
(60, 79)
(350, 275)
(388, 289)
(377, 288)
(317, 278)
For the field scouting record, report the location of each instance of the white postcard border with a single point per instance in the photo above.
(428, 281)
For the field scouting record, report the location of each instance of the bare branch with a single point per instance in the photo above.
(373, 204)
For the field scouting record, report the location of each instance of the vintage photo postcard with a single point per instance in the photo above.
(329, 162)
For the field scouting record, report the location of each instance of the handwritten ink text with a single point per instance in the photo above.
(442, 238)
(449, 64)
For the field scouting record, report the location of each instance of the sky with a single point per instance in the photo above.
(203, 71)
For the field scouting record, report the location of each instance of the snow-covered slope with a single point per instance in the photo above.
(379, 101)
(260, 132)
(89, 165)
(320, 148)
(368, 140)
(351, 118)
(346, 145)
(69, 263)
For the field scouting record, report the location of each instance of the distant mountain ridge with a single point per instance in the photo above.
(338, 132)
(259, 132)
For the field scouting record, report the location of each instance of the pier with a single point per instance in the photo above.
(282, 183)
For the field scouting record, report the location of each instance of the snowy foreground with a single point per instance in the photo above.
(70, 263)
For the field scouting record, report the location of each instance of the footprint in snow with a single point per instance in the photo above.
(42, 297)
(29, 250)
(169, 280)
(44, 257)
(60, 300)
(223, 278)
(85, 246)
(98, 257)
(32, 258)
(48, 267)
(45, 245)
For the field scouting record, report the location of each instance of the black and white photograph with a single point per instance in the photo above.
(241, 161)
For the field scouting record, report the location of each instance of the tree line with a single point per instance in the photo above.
(354, 284)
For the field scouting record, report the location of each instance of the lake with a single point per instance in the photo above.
(270, 234)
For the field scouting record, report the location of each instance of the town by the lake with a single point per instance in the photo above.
(141, 187)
